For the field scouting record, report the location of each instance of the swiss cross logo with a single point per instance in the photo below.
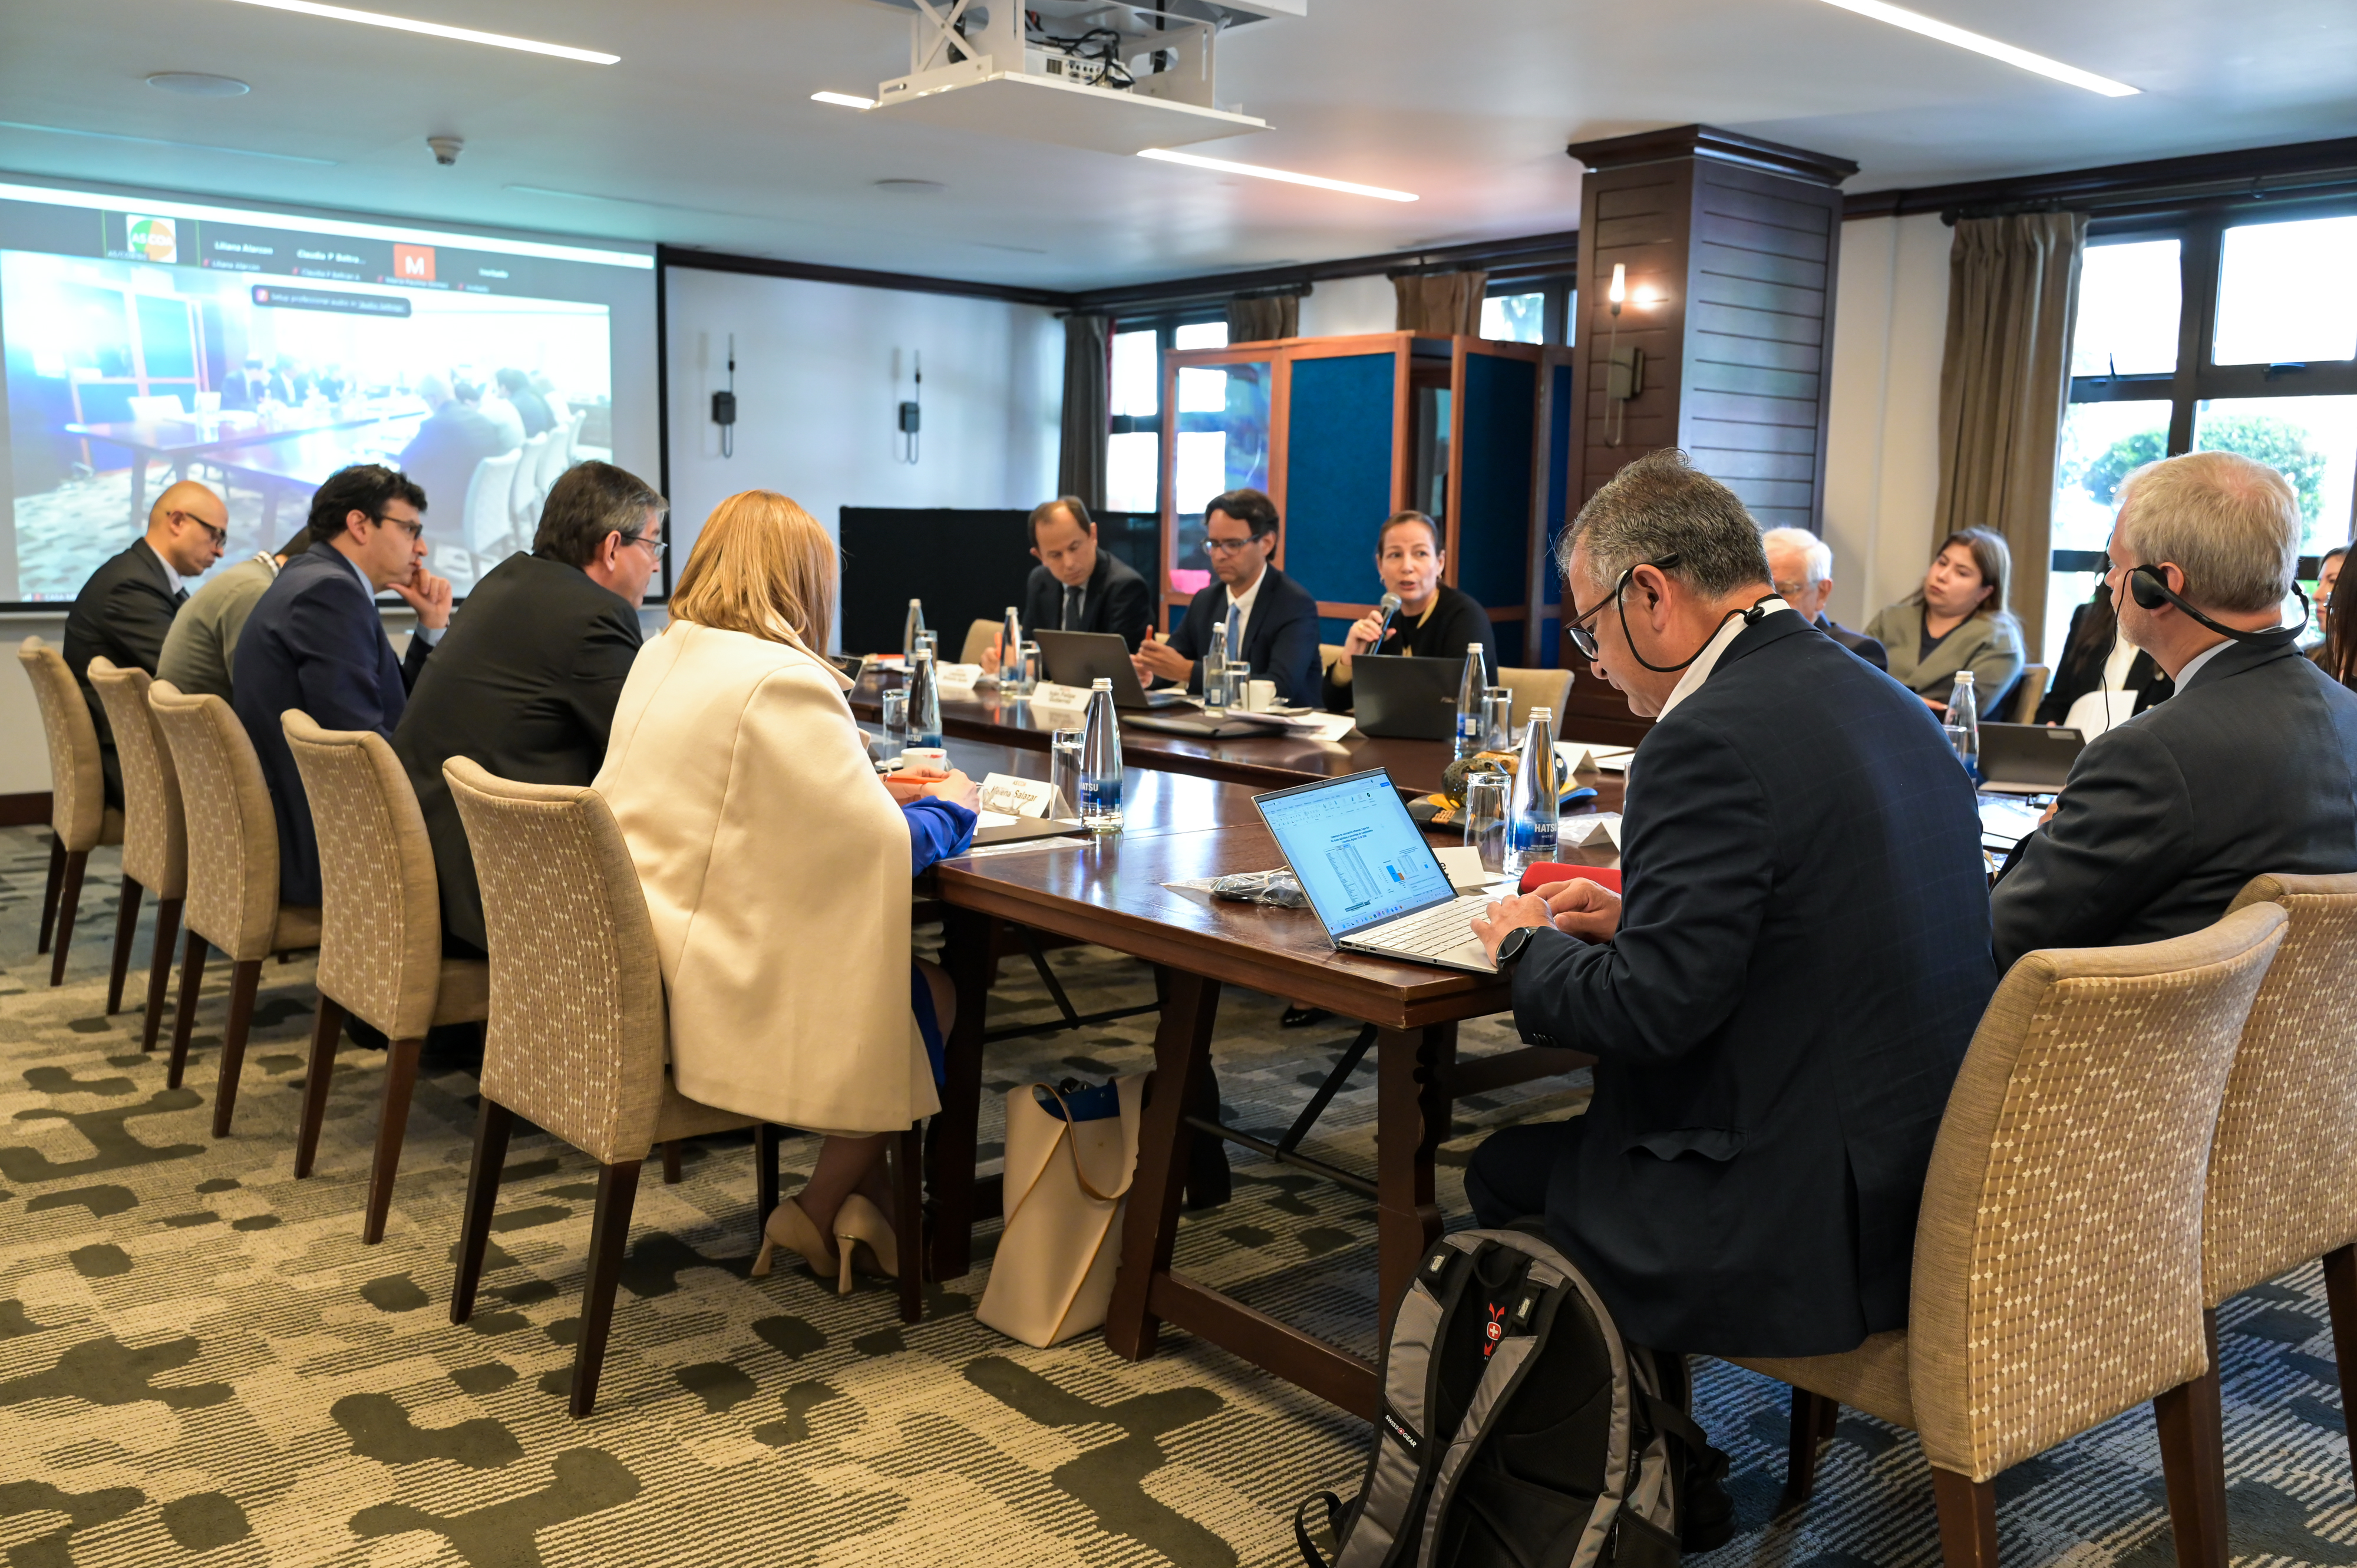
(1496, 1330)
(413, 263)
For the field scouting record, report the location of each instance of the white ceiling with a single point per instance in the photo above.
(704, 133)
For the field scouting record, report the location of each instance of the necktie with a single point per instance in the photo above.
(1235, 631)
(1072, 609)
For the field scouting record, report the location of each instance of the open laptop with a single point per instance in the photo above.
(1395, 697)
(2028, 759)
(1082, 657)
(1375, 885)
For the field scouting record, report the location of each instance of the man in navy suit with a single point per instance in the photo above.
(314, 642)
(1779, 997)
(1272, 620)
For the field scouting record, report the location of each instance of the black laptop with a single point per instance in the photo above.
(2028, 759)
(1397, 697)
(1082, 657)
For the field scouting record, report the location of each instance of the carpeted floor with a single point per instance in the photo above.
(201, 1363)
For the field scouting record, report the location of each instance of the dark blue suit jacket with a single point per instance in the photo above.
(1280, 640)
(1802, 957)
(314, 642)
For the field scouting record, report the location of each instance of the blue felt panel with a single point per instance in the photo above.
(1337, 476)
(1558, 475)
(1494, 498)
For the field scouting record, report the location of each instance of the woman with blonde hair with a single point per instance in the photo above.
(772, 861)
(1957, 620)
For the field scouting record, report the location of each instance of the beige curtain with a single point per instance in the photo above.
(2013, 294)
(1264, 318)
(1446, 306)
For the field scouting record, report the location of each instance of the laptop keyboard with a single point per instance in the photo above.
(1436, 931)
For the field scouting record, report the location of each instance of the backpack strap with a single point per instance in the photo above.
(1384, 1521)
(1526, 1326)
(1671, 1422)
(1311, 1556)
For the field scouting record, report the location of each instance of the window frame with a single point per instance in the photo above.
(1555, 290)
(1137, 526)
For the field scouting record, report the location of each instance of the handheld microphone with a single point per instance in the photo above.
(1389, 606)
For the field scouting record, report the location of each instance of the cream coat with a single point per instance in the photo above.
(776, 870)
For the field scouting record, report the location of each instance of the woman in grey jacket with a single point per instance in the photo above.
(1957, 620)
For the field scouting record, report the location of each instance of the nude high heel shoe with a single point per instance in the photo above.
(789, 1226)
(860, 1223)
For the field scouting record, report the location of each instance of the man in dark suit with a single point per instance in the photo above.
(126, 609)
(1779, 997)
(526, 682)
(1801, 565)
(2248, 768)
(247, 385)
(1079, 587)
(530, 407)
(315, 641)
(444, 454)
(1271, 621)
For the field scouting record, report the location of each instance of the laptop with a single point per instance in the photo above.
(1375, 885)
(2028, 759)
(1395, 697)
(1082, 657)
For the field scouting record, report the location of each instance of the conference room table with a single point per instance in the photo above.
(1110, 891)
(184, 440)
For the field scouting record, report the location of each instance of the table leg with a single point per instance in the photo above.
(965, 954)
(1411, 1120)
(138, 489)
(1182, 1054)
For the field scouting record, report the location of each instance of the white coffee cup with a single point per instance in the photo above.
(1259, 696)
(926, 758)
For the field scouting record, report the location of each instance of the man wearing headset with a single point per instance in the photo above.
(2248, 768)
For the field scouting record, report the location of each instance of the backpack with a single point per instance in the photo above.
(1518, 1430)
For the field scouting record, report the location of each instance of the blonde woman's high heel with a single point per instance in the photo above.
(790, 1226)
(860, 1223)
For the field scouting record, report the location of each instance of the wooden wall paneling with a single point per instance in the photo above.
(1403, 424)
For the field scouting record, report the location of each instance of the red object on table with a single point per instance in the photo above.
(1548, 872)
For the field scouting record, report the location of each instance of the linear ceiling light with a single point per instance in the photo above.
(1916, 22)
(843, 99)
(161, 142)
(1164, 154)
(436, 29)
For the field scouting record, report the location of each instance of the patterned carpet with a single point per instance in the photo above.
(201, 1363)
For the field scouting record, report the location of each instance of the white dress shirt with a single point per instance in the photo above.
(1240, 609)
(1707, 660)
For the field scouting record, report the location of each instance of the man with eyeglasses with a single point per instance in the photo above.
(315, 641)
(527, 681)
(1272, 620)
(1779, 997)
(125, 610)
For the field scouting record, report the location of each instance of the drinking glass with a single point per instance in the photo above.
(896, 719)
(1064, 765)
(1960, 740)
(1496, 718)
(1485, 817)
(1238, 676)
(1034, 670)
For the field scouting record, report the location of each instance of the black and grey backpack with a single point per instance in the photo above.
(1519, 1431)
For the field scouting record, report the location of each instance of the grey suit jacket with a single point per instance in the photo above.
(2251, 767)
(1989, 647)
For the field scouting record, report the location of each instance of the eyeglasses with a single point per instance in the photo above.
(1582, 637)
(220, 536)
(413, 526)
(1227, 546)
(652, 545)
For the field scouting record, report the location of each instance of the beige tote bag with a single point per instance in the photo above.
(1067, 1189)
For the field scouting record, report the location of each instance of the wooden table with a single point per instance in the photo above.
(184, 440)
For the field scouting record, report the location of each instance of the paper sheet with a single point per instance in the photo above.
(1581, 755)
(1325, 726)
(1588, 831)
(986, 818)
(1466, 872)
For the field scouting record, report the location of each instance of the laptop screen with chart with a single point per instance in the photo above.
(1360, 860)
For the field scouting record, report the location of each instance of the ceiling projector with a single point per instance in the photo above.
(1082, 73)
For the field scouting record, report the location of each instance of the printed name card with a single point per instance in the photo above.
(1021, 796)
(958, 677)
(1048, 694)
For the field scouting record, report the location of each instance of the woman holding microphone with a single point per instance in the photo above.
(1433, 620)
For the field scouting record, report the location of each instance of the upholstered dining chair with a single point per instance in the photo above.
(577, 1037)
(379, 936)
(232, 900)
(979, 636)
(1535, 689)
(79, 818)
(2058, 1252)
(155, 838)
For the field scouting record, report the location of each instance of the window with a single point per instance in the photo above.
(1524, 309)
(1130, 524)
(2269, 310)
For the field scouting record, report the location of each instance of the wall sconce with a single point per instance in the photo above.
(1620, 289)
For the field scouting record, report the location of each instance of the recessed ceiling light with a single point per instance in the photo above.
(160, 141)
(1164, 154)
(1915, 22)
(842, 100)
(436, 29)
(913, 186)
(198, 84)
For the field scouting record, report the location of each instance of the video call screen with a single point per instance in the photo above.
(150, 338)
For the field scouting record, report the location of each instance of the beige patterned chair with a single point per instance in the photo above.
(79, 818)
(233, 902)
(379, 936)
(155, 838)
(577, 1038)
(1545, 689)
(2058, 1252)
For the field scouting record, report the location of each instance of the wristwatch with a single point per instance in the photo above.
(1511, 948)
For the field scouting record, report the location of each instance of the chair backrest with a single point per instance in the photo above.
(490, 494)
(155, 837)
(2058, 1252)
(1536, 688)
(1328, 652)
(575, 1040)
(2282, 1166)
(380, 905)
(525, 498)
(555, 458)
(573, 421)
(232, 899)
(77, 778)
(978, 637)
(2028, 692)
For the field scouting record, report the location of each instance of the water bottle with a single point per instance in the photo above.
(909, 631)
(1010, 655)
(924, 700)
(1535, 808)
(1101, 762)
(1963, 723)
(1215, 669)
(1468, 702)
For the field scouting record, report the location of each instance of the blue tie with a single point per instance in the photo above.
(1235, 631)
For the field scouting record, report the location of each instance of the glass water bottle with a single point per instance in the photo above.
(1010, 655)
(1963, 723)
(1535, 807)
(924, 700)
(910, 628)
(1468, 702)
(1101, 762)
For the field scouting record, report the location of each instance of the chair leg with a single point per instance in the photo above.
(391, 1127)
(68, 900)
(765, 1173)
(493, 1123)
(184, 1021)
(671, 1162)
(50, 894)
(1813, 1416)
(325, 1032)
(908, 1219)
(2340, 1295)
(1967, 1519)
(245, 978)
(2193, 1464)
(126, 922)
(159, 969)
(609, 1236)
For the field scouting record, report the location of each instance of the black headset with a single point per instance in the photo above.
(2148, 586)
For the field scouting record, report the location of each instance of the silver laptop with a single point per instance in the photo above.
(1080, 658)
(1374, 883)
(2028, 759)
